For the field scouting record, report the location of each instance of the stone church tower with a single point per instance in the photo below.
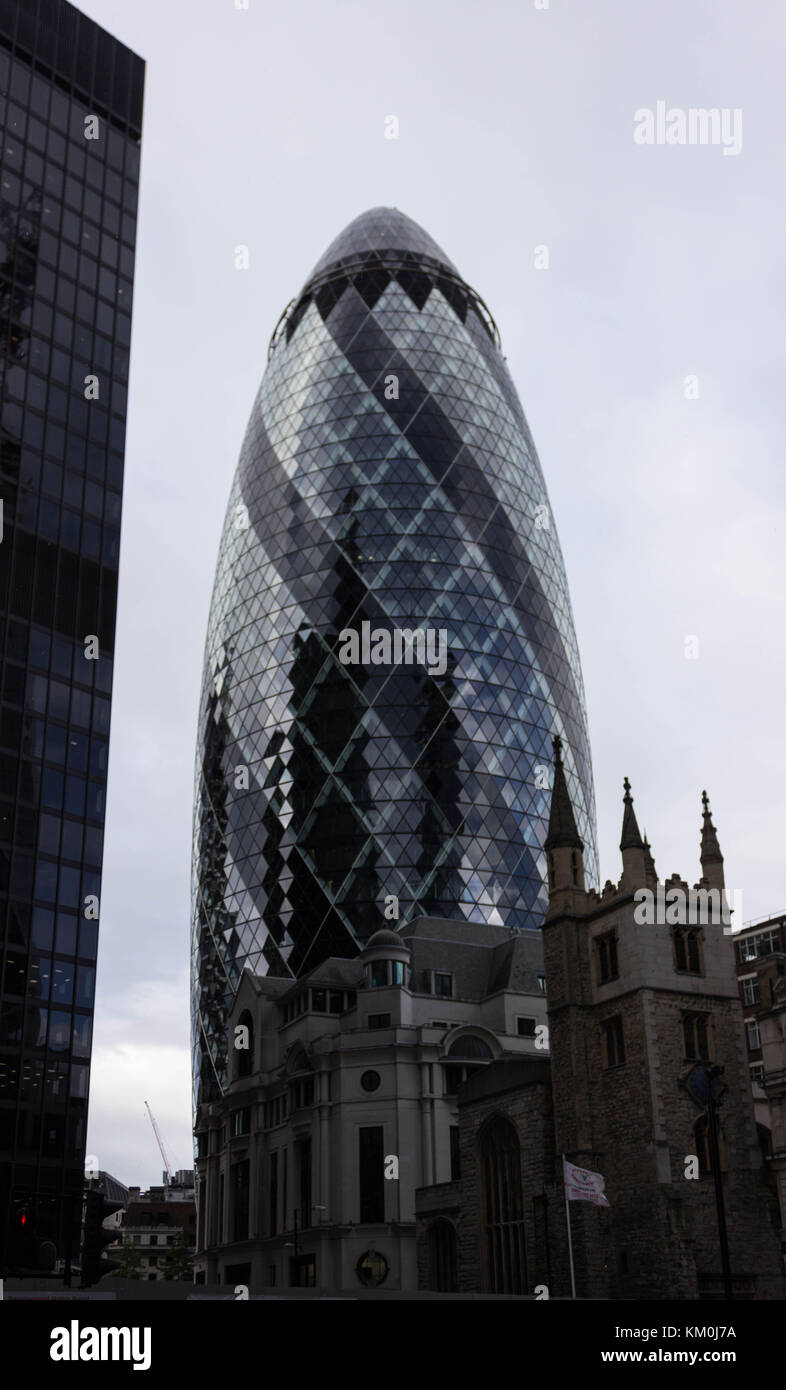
(639, 996)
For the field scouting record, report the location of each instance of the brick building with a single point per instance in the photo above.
(761, 960)
(772, 1023)
(156, 1222)
(638, 1007)
(760, 954)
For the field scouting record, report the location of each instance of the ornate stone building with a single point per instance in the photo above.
(397, 1119)
(342, 1101)
(639, 1011)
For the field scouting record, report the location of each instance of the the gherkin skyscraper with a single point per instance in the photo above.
(387, 483)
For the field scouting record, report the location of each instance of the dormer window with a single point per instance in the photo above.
(442, 984)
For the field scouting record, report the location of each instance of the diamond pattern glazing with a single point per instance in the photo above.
(387, 476)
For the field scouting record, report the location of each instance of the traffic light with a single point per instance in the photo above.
(97, 1208)
(28, 1252)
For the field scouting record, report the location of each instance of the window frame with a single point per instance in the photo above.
(697, 1021)
(442, 975)
(684, 938)
(751, 985)
(370, 1151)
(613, 1032)
(607, 956)
(377, 967)
(241, 1122)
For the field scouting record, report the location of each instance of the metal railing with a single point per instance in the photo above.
(777, 918)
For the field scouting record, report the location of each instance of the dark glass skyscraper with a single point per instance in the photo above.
(71, 117)
(388, 482)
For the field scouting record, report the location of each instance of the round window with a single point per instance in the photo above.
(372, 1269)
(371, 1081)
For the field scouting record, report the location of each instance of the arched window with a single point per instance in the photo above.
(442, 1263)
(466, 1055)
(502, 1208)
(297, 1061)
(245, 1056)
(468, 1045)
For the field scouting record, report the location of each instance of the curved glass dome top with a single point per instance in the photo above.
(387, 484)
(383, 231)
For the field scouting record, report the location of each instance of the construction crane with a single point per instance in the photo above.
(160, 1143)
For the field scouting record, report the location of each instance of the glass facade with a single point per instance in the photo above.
(70, 115)
(388, 484)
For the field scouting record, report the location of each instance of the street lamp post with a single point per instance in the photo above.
(715, 1091)
(707, 1086)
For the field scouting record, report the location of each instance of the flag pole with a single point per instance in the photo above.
(570, 1241)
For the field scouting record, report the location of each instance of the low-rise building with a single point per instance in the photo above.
(772, 1023)
(646, 1088)
(342, 1102)
(760, 957)
(156, 1224)
(760, 953)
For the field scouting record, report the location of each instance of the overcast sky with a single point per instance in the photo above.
(266, 127)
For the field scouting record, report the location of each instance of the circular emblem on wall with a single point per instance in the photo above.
(372, 1269)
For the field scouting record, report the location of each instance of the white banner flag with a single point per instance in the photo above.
(583, 1186)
